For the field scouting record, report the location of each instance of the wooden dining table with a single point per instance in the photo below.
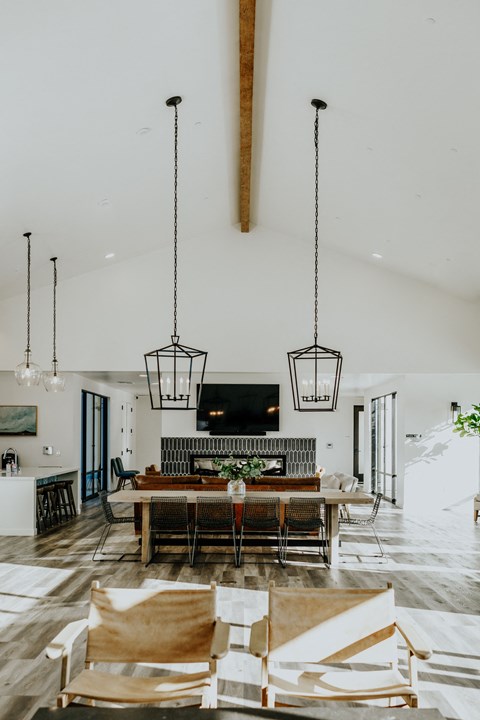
(333, 498)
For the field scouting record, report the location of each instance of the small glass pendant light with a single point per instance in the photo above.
(28, 373)
(53, 380)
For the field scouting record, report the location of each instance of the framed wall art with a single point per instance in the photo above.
(18, 419)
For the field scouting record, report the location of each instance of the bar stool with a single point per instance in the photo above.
(42, 515)
(62, 502)
(71, 499)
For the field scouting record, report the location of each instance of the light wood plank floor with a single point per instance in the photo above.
(434, 564)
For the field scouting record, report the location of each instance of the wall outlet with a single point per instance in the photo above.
(47, 450)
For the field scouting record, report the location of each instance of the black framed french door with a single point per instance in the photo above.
(383, 445)
(358, 442)
(94, 467)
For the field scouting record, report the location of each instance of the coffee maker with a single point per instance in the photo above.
(9, 457)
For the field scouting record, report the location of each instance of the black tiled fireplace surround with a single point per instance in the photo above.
(300, 452)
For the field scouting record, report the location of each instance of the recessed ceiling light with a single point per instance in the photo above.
(377, 256)
(109, 256)
(144, 131)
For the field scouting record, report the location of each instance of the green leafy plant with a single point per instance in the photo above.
(468, 424)
(237, 469)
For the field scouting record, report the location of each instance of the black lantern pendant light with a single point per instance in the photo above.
(170, 370)
(53, 380)
(27, 373)
(315, 370)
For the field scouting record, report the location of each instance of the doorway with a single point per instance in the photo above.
(358, 441)
(94, 475)
(384, 456)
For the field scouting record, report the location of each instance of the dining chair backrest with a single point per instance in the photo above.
(120, 464)
(106, 507)
(334, 625)
(214, 512)
(261, 513)
(305, 513)
(121, 623)
(167, 513)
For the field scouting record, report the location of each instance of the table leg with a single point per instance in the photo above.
(146, 539)
(332, 534)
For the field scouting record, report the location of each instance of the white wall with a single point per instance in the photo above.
(336, 428)
(440, 469)
(59, 420)
(149, 433)
(247, 299)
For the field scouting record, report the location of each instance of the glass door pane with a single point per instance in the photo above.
(94, 444)
(383, 430)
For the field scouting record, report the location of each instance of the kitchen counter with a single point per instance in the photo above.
(18, 496)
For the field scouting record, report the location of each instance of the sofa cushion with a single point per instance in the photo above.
(330, 482)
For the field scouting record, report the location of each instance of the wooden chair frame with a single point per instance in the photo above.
(161, 626)
(320, 628)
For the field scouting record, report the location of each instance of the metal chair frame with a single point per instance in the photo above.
(303, 516)
(259, 516)
(214, 516)
(367, 522)
(111, 520)
(169, 516)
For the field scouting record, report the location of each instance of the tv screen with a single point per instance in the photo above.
(238, 409)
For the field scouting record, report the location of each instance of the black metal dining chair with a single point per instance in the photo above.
(367, 522)
(214, 516)
(110, 520)
(261, 517)
(303, 517)
(169, 517)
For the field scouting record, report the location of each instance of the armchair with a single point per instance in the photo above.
(325, 627)
(144, 626)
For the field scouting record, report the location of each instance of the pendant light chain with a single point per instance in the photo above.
(315, 139)
(175, 226)
(27, 235)
(54, 260)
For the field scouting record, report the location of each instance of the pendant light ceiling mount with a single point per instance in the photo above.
(170, 370)
(28, 373)
(315, 371)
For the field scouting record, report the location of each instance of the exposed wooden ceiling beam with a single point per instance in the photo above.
(247, 47)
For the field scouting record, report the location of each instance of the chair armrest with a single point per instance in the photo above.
(221, 640)
(259, 638)
(65, 639)
(415, 639)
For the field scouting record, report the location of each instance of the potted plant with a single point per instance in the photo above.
(468, 423)
(236, 469)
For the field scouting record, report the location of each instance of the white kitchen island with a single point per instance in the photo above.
(18, 497)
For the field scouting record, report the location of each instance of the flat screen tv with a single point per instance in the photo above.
(238, 409)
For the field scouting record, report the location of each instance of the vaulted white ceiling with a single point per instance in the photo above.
(86, 140)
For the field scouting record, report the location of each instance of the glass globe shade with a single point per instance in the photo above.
(28, 373)
(53, 380)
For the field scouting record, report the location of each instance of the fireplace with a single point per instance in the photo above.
(298, 455)
(204, 465)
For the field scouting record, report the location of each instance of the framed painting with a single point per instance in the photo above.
(18, 419)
